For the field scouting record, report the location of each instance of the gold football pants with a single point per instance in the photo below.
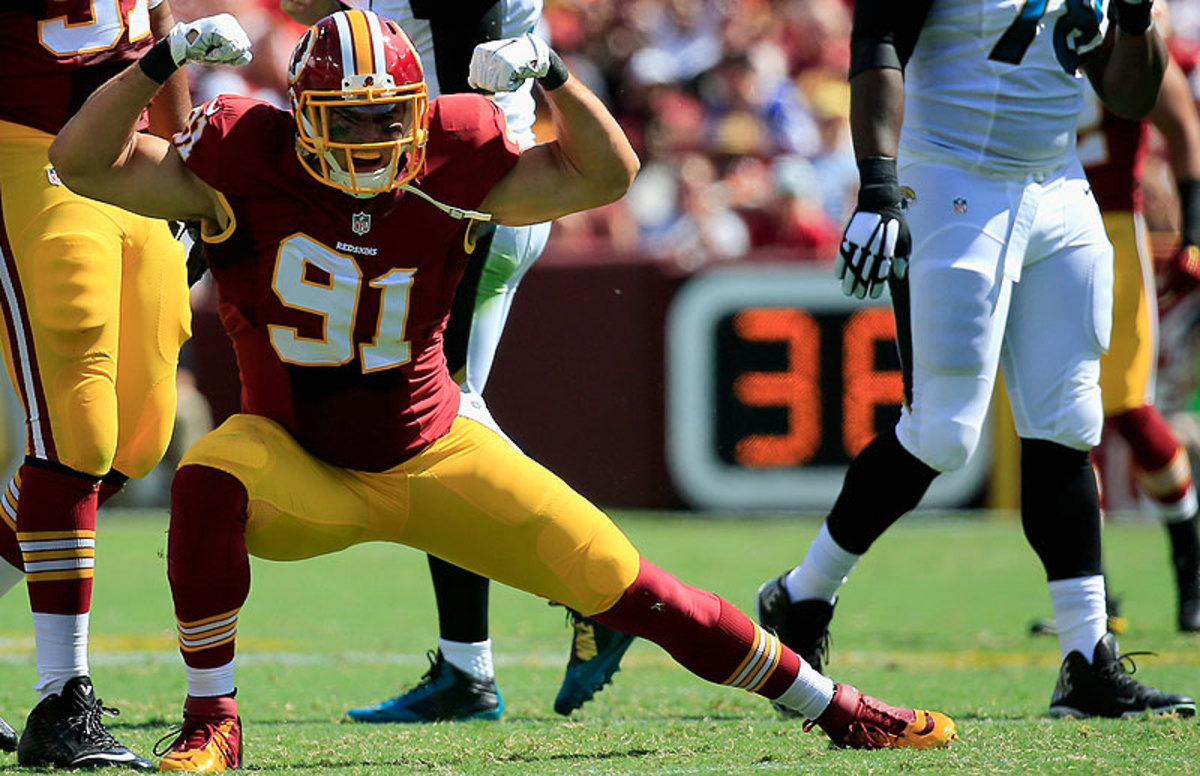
(1127, 369)
(96, 307)
(470, 498)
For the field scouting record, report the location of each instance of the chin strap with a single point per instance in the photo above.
(475, 217)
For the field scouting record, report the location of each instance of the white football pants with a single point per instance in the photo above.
(1005, 272)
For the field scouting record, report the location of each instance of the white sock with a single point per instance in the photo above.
(1079, 614)
(1181, 510)
(475, 658)
(823, 571)
(810, 694)
(210, 682)
(62, 646)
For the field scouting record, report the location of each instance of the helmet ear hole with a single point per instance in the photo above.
(357, 59)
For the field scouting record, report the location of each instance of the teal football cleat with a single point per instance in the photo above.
(596, 653)
(444, 694)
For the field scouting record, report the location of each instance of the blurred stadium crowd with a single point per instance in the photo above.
(737, 108)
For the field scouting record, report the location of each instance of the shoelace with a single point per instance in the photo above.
(428, 677)
(874, 731)
(1117, 672)
(92, 727)
(193, 736)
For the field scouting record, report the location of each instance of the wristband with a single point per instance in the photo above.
(1133, 17)
(556, 76)
(879, 185)
(158, 64)
(1189, 210)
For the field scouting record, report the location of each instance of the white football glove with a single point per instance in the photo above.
(867, 254)
(503, 65)
(211, 40)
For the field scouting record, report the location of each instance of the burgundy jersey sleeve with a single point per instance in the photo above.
(231, 143)
(469, 149)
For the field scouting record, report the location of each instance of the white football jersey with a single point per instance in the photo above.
(518, 18)
(992, 85)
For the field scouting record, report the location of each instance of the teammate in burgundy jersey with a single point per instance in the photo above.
(1113, 151)
(375, 414)
(95, 309)
(335, 236)
(461, 683)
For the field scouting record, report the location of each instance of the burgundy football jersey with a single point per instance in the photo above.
(54, 53)
(336, 305)
(1114, 155)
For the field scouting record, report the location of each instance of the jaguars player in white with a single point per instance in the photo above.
(963, 116)
(461, 681)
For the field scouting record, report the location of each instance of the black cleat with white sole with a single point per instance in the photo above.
(66, 731)
(1105, 688)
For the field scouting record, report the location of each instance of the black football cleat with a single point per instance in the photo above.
(66, 731)
(444, 694)
(803, 626)
(8, 737)
(596, 652)
(1105, 688)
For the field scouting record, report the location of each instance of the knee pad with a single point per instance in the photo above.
(1081, 425)
(943, 445)
(71, 293)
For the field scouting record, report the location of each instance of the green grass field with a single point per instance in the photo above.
(937, 615)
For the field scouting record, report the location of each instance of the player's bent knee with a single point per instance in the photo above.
(944, 446)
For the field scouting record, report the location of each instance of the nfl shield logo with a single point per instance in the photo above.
(960, 206)
(360, 223)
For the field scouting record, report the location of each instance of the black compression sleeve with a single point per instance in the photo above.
(885, 33)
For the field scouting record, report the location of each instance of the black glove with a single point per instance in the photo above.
(188, 233)
(876, 242)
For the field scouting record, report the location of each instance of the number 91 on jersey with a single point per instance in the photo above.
(775, 381)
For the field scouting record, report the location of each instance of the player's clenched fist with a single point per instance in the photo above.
(211, 40)
(503, 65)
(876, 242)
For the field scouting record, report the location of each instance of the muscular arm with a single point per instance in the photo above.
(876, 112)
(169, 110)
(589, 164)
(1127, 70)
(99, 155)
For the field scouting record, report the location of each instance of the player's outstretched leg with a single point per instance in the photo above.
(208, 741)
(596, 652)
(716, 641)
(444, 693)
(1104, 688)
(66, 731)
